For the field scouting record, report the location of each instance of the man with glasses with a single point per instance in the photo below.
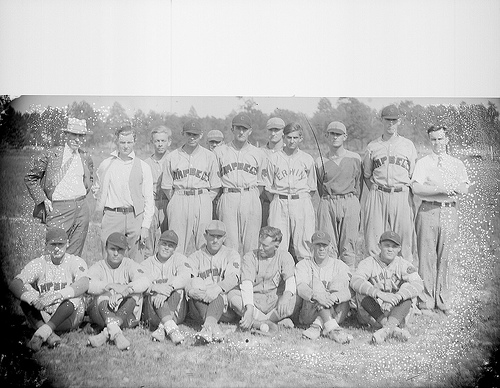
(59, 180)
(191, 182)
(388, 165)
(340, 187)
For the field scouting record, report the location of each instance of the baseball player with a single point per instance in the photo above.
(50, 288)
(388, 164)
(340, 187)
(116, 286)
(214, 139)
(438, 180)
(216, 271)
(191, 182)
(384, 286)
(274, 126)
(267, 292)
(240, 166)
(165, 303)
(323, 285)
(161, 138)
(290, 184)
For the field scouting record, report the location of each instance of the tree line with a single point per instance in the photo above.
(470, 125)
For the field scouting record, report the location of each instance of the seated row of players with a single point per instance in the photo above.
(264, 288)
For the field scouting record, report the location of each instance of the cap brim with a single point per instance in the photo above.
(337, 131)
(321, 241)
(391, 117)
(217, 232)
(170, 241)
(58, 240)
(390, 239)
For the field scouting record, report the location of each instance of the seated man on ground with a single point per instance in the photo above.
(323, 285)
(385, 285)
(216, 271)
(267, 293)
(116, 284)
(165, 303)
(50, 288)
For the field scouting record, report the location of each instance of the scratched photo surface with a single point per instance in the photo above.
(454, 349)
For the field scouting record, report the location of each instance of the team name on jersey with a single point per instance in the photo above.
(180, 174)
(403, 162)
(160, 281)
(238, 166)
(47, 286)
(210, 271)
(282, 174)
(395, 281)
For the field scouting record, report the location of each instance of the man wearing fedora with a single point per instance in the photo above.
(59, 180)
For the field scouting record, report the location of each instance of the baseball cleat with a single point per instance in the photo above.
(286, 324)
(312, 333)
(217, 334)
(381, 335)
(122, 342)
(401, 334)
(340, 336)
(53, 340)
(35, 343)
(158, 335)
(176, 336)
(99, 339)
(204, 336)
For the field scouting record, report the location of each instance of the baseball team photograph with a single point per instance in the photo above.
(146, 247)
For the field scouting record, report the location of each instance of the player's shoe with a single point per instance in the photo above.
(99, 339)
(204, 336)
(121, 342)
(286, 324)
(176, 336)
(35, 343)
(158, 335)
(381, 335)
(340, 336)
(401, 334)
(53, 340)
(312, 333)
(217, 334)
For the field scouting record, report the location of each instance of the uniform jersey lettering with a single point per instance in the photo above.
(240, 167)
(210, 272)
(181, 174)
(403, 162)
(48, 286)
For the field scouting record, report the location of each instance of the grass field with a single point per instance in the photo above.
(456, 351)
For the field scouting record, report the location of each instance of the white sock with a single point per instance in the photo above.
(44, 331)
(169, 326)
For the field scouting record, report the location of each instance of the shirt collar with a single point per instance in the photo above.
(115, 154)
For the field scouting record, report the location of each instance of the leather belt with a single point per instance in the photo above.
(70, 200)
(236, 189)
(334, 196)
(391, 189)
(191, 192)
(123, 210)
(441, 204)
(293, 196)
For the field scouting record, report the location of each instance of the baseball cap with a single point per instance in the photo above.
(169, 236)
(192, 126)
(216, 227)
(390, 112)
(76, 126)
(242, 120)
(117, 239)
(336, 127)
(215, 134)
(392, 236)
(275, 122)
(57, 235)
(321, 238)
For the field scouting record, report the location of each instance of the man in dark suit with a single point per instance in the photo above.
(59, 180)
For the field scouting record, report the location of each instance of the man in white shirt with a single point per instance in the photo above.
(124, 191)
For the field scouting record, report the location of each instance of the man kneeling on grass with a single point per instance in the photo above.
(385, 285)
(216, 271)
(50, 288)
(165, 304)
(323, 285)
(267, 293)
(117, 284)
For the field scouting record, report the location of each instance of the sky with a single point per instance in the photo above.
(378, 51)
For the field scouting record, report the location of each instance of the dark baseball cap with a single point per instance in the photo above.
(192, 126)
(56, 235)
(321, 238)
(216, 227)
(117, 239)
(392, 236)
(170, 236)
(390, 112)
(242, 120)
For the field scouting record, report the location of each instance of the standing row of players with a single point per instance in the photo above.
(260, 291)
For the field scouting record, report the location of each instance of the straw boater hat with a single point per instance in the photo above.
(76, 126)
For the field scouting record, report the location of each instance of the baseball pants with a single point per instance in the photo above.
(340, 217)
(188, 215)
(295, 218)
(264, 202)
(65, 318)
(264, 303)
(389, 211)
(127, 223)
(373, 309)
(309, 312)
(437, 229)
(158, 225)
(175, 306)
(241, 213)
(73, 216)
(99, 312)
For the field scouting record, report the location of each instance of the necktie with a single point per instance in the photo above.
(64, 168)
(440, 161)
